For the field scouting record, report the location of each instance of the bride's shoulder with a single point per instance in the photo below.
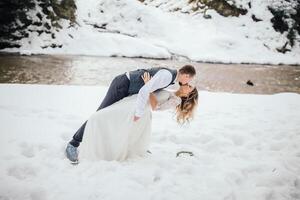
(166, 99)
(162, 94)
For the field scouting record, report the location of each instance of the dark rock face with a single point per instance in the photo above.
(65, 9)
(12, 11)
(19, 18)
(279, 24)
(286, 19)
(220, 6)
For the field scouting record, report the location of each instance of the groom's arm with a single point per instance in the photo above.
(160, 80)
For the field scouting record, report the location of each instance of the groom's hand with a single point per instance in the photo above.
(136, 118)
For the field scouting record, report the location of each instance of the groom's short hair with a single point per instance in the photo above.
(188, 69)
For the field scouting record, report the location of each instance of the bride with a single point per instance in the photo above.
(111, 134)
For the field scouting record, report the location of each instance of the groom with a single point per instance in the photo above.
(130, 83)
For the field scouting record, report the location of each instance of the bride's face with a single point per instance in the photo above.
(185, 90)
(184, 78)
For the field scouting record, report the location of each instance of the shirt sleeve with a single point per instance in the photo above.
(160, 80)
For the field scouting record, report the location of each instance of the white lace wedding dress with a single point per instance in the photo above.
(111, 133)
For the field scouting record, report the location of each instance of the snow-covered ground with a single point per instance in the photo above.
(133, 29)
(245, 147)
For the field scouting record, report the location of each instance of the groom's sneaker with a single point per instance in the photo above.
(71, 153)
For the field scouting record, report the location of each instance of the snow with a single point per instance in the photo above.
(245, 146)
(136, 30)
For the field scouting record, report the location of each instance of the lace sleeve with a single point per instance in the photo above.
(167, 100)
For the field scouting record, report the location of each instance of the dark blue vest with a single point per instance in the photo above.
(136, 81)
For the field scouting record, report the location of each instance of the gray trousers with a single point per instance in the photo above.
(117, 90)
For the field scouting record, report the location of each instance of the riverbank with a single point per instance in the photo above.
(96, 70)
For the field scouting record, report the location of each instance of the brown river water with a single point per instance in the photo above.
(94, 70)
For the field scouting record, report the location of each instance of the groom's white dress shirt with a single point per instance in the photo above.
(160, 80)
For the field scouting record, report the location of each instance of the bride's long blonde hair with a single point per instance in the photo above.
(185, 110)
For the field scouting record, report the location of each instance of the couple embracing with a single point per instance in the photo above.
(121, 126)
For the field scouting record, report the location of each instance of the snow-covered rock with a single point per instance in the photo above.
(131, 28)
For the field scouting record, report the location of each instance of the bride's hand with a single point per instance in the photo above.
(146, 77)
